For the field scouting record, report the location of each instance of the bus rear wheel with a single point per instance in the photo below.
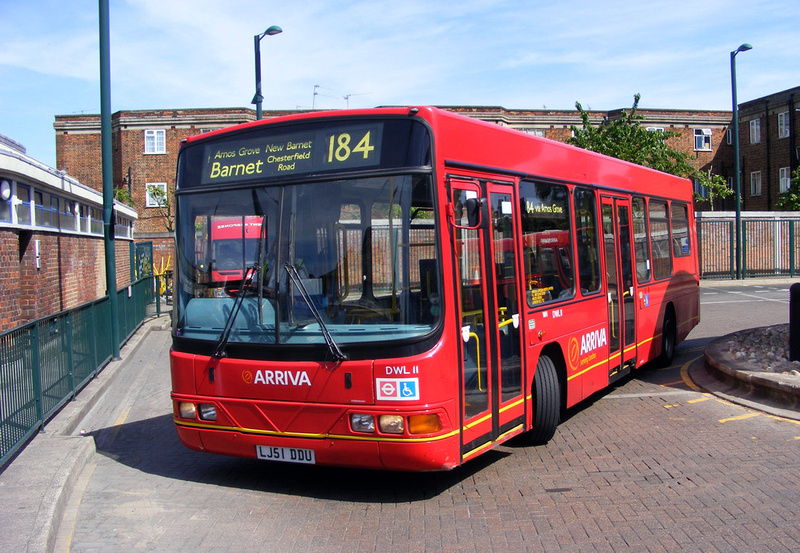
(546, 402)
(668, 339)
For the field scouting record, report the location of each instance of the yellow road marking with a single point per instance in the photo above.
(740, 417)
(685, 374)
(698, 400)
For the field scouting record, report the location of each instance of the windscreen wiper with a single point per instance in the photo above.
(336, 352)
(249, 276)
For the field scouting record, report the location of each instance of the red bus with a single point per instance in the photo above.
(424, 286)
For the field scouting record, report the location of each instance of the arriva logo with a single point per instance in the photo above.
(277, 378)
(593, 340)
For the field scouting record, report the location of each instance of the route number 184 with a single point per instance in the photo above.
(339, 148)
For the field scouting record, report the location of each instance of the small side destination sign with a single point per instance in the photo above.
(335, 148)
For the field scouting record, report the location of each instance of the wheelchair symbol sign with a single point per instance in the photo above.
(397, 389)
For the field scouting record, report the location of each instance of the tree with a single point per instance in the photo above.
(163, 200)
(790, 200)
(625, 138)
(716, 185)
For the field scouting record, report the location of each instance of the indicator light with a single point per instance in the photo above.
(424, 424)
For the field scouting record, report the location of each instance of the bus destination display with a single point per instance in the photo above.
(331, 149)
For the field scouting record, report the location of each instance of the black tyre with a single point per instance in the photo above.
(668, 332)
(546, 402)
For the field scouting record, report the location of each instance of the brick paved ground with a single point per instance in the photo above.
(650, 466)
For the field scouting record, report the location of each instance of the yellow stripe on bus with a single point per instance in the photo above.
(312, 436)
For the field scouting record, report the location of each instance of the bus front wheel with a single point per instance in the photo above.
(546, 402)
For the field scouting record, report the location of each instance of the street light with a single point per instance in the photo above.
(736, 177)
(258, 98)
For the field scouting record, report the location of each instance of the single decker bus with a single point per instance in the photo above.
(406, 288)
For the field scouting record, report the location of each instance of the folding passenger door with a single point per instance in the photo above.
(621, 291)
(487, 261)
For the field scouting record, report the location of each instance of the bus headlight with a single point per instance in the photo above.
(391, 424)
(424, 424)
(362, 422)
(187, 410)
(207, 411)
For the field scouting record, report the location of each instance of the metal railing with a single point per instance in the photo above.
(46, 362)
(770, 248)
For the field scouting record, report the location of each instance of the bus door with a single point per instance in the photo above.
(619, 273)
(489, 313)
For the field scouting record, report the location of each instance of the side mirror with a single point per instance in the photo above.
(473, 208)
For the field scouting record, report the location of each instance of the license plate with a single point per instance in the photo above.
(286, 454)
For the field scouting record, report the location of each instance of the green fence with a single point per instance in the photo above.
(770, 247)
(44, 363)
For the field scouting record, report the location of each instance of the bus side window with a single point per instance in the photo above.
(680, 230)
(547, 238)
(641, 244)
(587, 246)
(660, 239)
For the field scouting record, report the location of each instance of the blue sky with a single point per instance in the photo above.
(516, 54)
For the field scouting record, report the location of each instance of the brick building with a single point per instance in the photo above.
(145, 152)
(768, 147)
(146, 143)
(51, 240)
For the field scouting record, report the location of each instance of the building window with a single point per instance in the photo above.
(95, 221)
(155, 142)
(24, 205)
(156, 194)
(729, 136)
(122, 227)
(68, 215)
(785, 179)
(783, 125)
(700, 190)
(535, 132)
(6, 199)
(656, 129)
(755, 183)
(702, 139)
(755, 131)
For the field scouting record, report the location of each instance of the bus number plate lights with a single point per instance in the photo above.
(286, 454)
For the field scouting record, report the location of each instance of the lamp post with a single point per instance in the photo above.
(736, 178)
(258, 98)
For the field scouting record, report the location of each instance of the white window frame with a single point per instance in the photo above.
(785, 179)
(755, 131)
(702, 140)
(155, 141)
(729, 135)
(755, 183)
(150, 201)
(655, 129)
(783, 125)
(536, 132)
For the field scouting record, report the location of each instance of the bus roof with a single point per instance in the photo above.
(462, 142)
